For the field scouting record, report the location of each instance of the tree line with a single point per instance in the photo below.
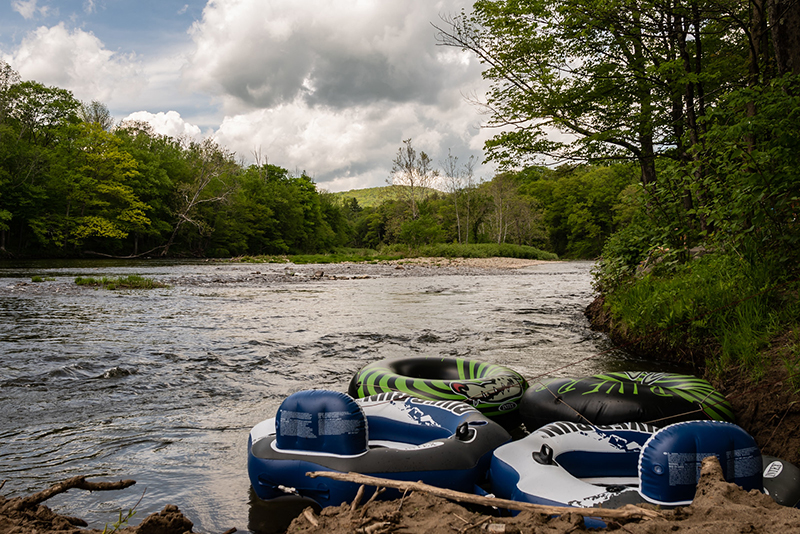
(74, 183)
(703, 96)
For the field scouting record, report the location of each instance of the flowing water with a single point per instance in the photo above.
(163, 385)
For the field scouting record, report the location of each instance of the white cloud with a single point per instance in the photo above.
(348, 148)
(29, 8)
(257, 53)
(78, 61)
(170, 123)
(333, 87)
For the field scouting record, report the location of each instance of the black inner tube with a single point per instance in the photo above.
(435, 369)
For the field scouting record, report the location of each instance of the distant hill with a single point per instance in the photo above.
(372, 196)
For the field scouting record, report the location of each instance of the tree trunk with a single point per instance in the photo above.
(784, 17)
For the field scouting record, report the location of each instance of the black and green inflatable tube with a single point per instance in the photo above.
(658, 399)
(493, 389)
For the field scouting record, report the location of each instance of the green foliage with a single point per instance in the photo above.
(579, 205)
(369, 197)
(483, 250)
(133, 281)
(751, 187)
(721, 305)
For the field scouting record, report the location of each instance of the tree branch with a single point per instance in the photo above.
(628, 511)
(79, 482)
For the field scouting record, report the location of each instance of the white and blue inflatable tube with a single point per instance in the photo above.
(392, 435)
(582, 465)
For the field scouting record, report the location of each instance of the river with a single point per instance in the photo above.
(163, 385)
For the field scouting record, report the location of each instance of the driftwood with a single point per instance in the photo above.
(629, 511)
(31, 501)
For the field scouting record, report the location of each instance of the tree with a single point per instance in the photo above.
(619, 79)
(211, 169)
(457, 181)
(412, 176)
(89, 194)
(96, 112)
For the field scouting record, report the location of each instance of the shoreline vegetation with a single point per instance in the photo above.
(401, 253)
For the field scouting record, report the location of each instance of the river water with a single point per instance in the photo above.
(163, 385)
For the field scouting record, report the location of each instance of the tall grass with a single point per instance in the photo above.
(720, 305)
(397, 252)
(133, 281)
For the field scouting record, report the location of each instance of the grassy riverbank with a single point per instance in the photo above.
(733, 318)
(400, 252)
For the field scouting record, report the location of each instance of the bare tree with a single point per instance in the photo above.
(96, 112)
(457, 181)
(211, 165)
(412, 175)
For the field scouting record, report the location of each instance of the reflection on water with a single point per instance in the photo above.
(162, 386)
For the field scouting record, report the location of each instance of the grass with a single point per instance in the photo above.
(128, 282)
(720, 305)
(399, 252)
(790, 354)
(42, 279)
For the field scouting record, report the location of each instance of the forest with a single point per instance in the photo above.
(73, 183)
(702, 98)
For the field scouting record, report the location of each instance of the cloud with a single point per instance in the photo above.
(169, 123)
(333, 88)
(349, 148)
(29, 8)
(262, 54)
(78, 61)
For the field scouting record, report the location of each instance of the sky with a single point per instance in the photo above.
(329, 87)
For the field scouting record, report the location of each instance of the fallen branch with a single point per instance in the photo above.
(20, 503)
(628, 511)
(309, 514)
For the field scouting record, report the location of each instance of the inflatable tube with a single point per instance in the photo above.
(669, 465)
(781, 481)
(581, 465)
(391, 435)
(572, 464)
(493, 389)
(575, 464)
(659, 399)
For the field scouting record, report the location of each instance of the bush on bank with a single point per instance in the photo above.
(719, 310)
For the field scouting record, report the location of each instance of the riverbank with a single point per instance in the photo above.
(768, 409)
(719, 507)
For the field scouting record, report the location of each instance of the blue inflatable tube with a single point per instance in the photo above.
(391, 435)
(582, 465)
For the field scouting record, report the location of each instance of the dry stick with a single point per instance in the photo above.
(78, 482)
(402, 499)
(308, 513)
(474, 525)
(378, 491)
(628, 511)
(357, 498)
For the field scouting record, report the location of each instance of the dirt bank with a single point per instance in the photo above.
(718, 508)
